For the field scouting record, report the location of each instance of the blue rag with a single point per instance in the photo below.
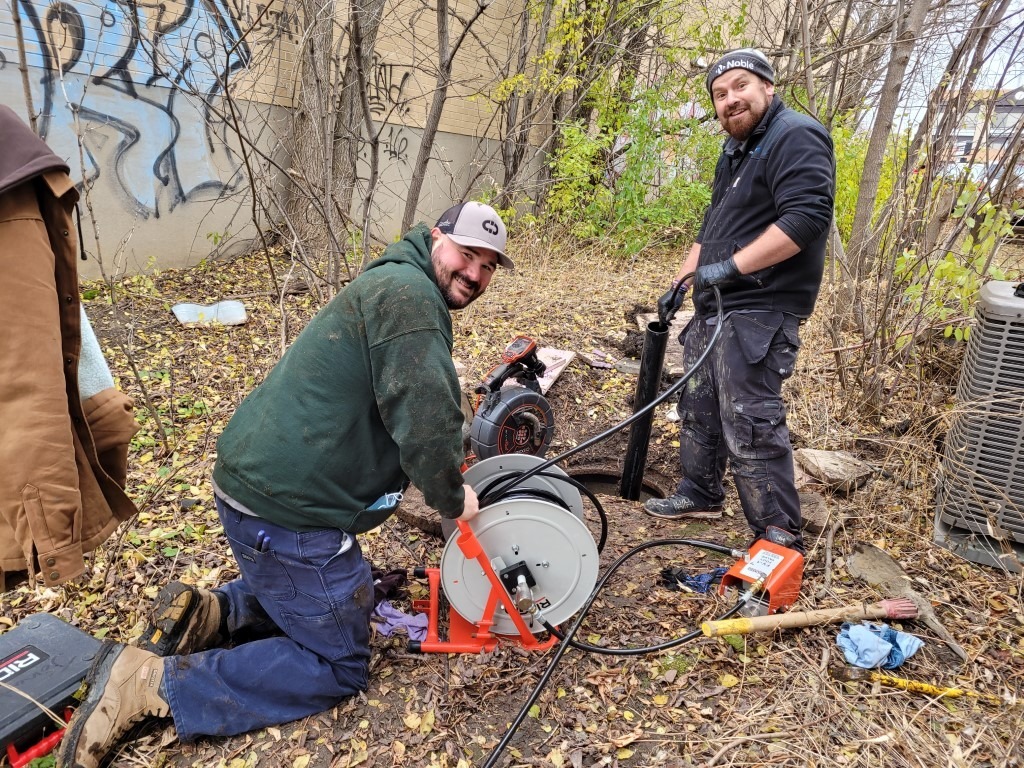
(679, 580)
(869, 645)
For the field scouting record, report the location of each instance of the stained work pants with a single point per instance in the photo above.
(313, 592)
(732, 412)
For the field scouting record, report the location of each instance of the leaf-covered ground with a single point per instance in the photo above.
(755, 701)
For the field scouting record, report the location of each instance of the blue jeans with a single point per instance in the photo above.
(732, 410)
(304, 587)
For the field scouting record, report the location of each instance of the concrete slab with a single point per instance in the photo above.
(556, 361)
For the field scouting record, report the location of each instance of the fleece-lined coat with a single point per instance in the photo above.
(63, 463)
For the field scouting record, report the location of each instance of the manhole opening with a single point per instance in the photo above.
(608, 483)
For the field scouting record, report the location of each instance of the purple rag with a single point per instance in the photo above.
(388, 620)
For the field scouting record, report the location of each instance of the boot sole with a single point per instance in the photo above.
(172, 610)
(101, 666)
(697, 514)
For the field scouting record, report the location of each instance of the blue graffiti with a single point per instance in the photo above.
(151, 72)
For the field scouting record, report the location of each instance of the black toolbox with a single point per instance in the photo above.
(47, 659)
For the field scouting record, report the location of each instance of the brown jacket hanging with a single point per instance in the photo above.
(62, 462)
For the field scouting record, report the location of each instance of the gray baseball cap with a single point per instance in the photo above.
(476, 225)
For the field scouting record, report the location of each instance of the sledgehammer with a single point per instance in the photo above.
(896, 608)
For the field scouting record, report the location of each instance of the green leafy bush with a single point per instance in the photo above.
(944, 289)
(640, 179)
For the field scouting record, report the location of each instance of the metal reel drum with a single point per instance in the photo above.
(486, 472)
(555, 546)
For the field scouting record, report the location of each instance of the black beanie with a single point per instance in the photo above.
(749, 59)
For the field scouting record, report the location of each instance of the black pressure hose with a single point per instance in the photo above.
(640, 651)
(554, 498)
(569, 642)
(487, 500)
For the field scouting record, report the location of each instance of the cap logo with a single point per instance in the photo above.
(444, 223)
(735, 63)
(490, 226)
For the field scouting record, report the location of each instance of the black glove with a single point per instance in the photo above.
(719, 273)
(670, 302)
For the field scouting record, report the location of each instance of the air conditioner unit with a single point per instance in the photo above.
(980, 500)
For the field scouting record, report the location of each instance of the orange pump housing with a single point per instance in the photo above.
(781, 568)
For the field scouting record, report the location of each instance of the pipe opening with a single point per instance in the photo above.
(608, 482)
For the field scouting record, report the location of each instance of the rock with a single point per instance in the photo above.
(813, 511)
(800, 477)
(839, 471)
(615, 339)
(596, 358)
(628, 365)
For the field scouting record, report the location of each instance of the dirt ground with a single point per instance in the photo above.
(756, 700)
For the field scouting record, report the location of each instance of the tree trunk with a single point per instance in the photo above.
(862, 239)
(311, 219)
(445, 58)
(517, 113)
(364, 24)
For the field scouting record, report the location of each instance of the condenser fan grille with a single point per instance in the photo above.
(980, 500)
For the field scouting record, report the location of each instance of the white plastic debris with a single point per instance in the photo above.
(227, 312)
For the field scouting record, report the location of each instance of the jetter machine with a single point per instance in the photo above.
(524, 560)
(512, 415)
(528, 562)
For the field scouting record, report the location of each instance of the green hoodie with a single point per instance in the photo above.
(365, 399)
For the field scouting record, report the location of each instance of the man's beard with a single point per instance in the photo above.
(445, 280)
(742, 125)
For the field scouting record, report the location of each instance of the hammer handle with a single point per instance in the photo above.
(745, 626)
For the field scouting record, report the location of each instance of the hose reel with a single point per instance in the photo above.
(543, 555)
(529, 555)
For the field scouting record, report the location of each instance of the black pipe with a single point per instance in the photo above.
(651, 360)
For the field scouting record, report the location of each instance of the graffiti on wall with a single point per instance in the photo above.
(271, 22)
(145, 75)
(142, 82)
(387, 88)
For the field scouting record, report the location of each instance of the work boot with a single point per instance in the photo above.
(124, 690)
(678, 507)
(185, 619)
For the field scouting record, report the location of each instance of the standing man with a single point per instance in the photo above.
(365, 400)
(762, 243)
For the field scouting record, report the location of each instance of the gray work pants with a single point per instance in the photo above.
(732, 409)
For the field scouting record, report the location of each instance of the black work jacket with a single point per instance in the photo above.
(783, 174)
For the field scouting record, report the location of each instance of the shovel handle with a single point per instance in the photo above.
(746, 626)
